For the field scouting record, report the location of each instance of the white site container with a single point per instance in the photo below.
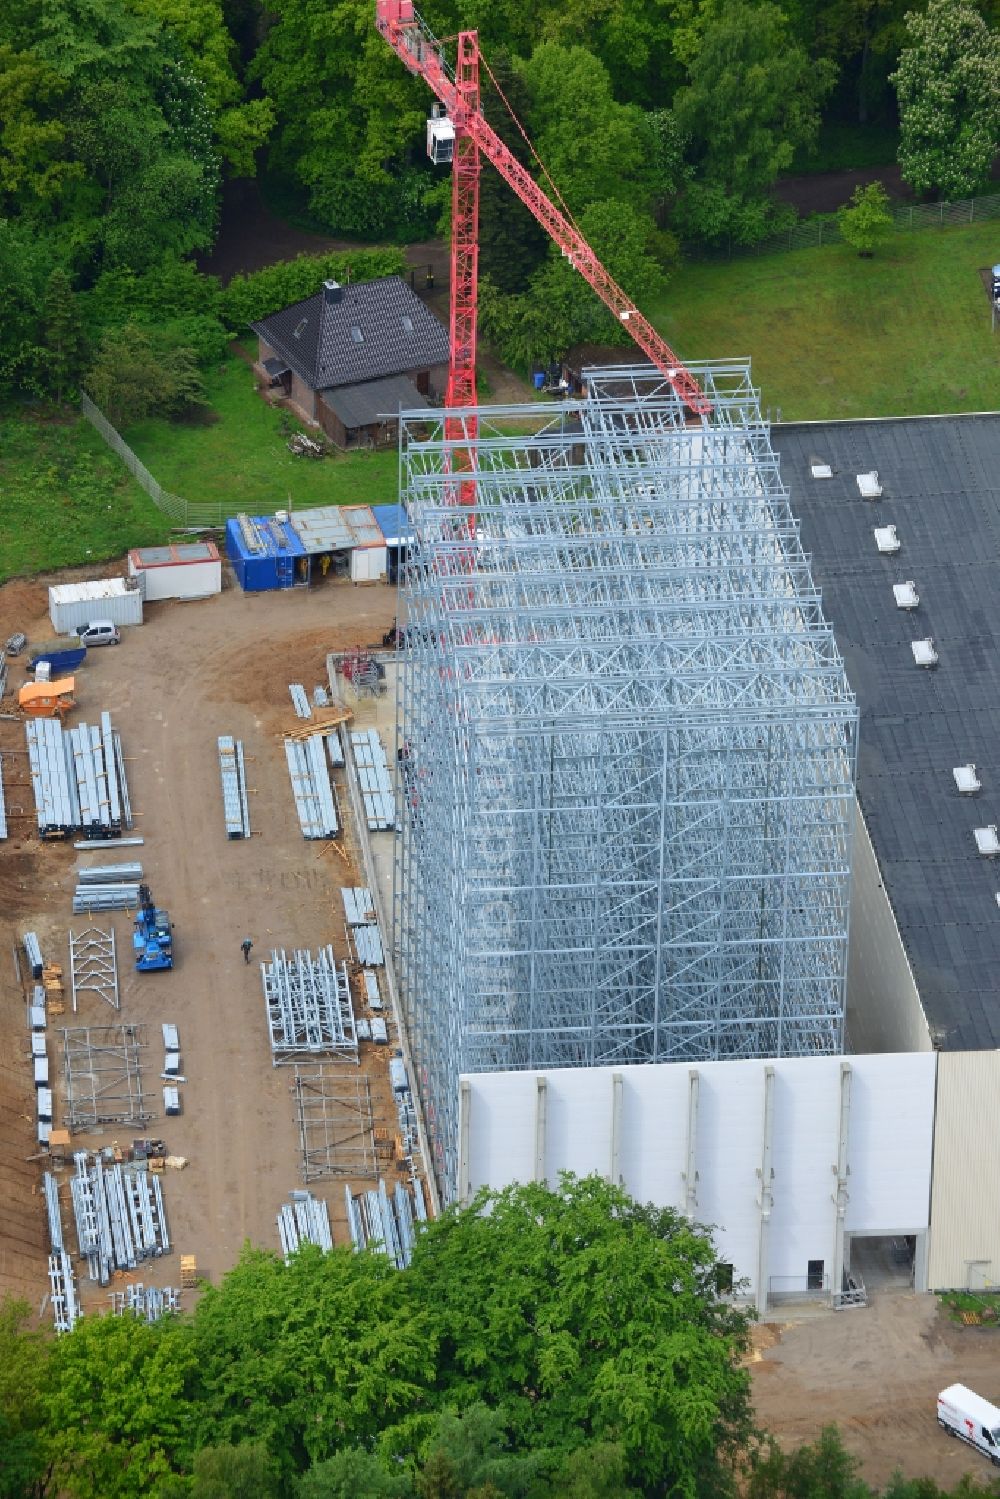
(72, 604)
(189, 570)
(967, 1415)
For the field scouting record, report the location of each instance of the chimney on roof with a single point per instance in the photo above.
(332, 291)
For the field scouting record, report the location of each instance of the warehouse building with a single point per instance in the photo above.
(819, 1174)
(908, 575)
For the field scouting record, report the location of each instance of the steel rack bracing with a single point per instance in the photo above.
(93, 965)
(315, 802)
(235, 804)
(627, 745)
(333, 1111)
(305, 1220)
(309, 1009)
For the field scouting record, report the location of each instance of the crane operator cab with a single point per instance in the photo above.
(440, 136)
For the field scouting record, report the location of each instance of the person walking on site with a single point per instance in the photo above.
(246, 945)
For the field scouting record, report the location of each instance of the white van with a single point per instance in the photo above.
(98, 632)
(967, 1415)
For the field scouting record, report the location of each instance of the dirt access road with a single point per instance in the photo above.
(876, 1373)
(194, 671)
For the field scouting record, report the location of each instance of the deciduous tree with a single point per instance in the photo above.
(948, 85)
(865, 221)
(752, 98)
(589, 1318)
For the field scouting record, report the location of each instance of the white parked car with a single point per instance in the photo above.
(98, 632)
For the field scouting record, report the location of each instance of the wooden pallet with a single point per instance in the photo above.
(189, 1271)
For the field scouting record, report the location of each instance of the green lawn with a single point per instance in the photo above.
(64, 499)
(831, 335)
(241, 459)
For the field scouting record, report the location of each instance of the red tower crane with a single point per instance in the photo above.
(460, 134)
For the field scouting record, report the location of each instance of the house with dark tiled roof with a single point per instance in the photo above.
(350, 358)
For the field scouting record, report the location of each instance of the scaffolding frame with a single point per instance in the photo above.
(627, 745)
(333, 1110)
(103, 1076)
(93, 965)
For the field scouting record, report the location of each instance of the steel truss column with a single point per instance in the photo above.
(464, 290)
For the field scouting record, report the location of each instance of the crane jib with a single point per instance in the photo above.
(421, 53)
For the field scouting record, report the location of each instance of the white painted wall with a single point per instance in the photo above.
(889, 1146)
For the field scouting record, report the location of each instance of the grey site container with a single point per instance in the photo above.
(72, 604)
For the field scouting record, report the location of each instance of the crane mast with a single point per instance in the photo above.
(458, 91)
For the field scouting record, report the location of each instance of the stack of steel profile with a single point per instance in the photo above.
(78, 778)
(33, 953)
(3, 805)
(374, 779)
(310, 777)
(359, 908)
(107, 887)
(235, 805)
(62, 1286)
(119, 1213)
(309, 1008)
(305, 1220)
(383, 1222)
(368, 946)
(148, 1302)
(300, 701)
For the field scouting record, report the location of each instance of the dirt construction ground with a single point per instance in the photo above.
(875, 1372)
(193, 671)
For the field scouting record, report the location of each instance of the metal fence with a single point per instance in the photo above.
(825, 230)
(194, 513)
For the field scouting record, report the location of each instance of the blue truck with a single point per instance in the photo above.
(63, 654)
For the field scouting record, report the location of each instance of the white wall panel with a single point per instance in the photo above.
(730, 1140)
(892, 1134)
(502, 1129)
(804, 1157)
(654, 1135)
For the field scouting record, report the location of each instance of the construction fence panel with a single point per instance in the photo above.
(190, 513)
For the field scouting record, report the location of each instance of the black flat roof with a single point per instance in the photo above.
(941, 491)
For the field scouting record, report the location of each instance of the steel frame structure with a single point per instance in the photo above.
(628, 747)
(333, 1111)
(104, 1076)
